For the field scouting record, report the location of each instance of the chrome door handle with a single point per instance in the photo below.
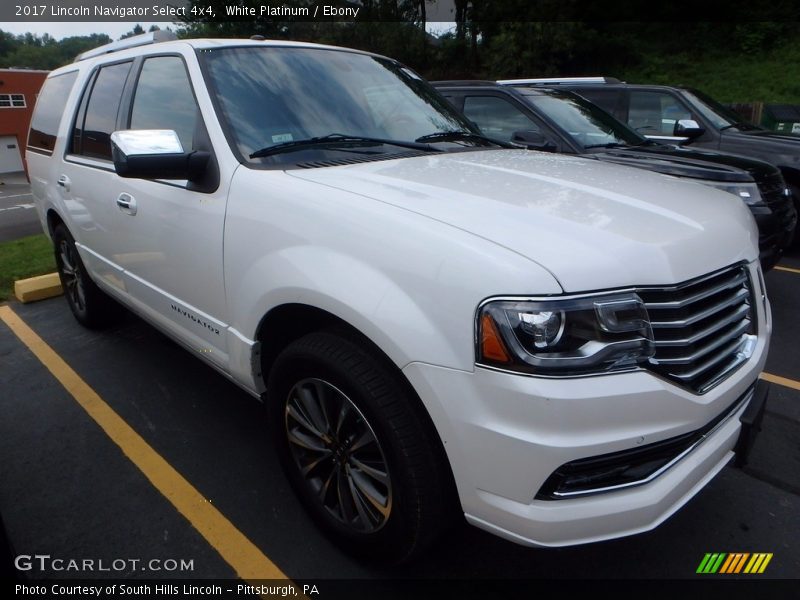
(126, 203)
(64, 182)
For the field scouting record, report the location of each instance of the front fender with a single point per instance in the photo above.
(409, 283)
(359, 294)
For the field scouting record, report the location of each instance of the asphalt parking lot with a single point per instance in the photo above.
(18, 216)
(68, 490)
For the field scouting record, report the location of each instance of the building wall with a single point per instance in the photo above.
(15, 120)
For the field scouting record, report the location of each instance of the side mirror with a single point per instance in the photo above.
(688, 128)
(532, 140)
(155, 154)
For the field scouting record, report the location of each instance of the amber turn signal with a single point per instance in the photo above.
(492, 347)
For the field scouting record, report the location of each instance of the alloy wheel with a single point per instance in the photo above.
(338, 455)
(70, 272)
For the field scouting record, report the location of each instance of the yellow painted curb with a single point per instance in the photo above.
(37, 288)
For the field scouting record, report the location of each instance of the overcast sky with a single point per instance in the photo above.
(61, 30)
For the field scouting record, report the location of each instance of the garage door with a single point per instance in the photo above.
(10, 157)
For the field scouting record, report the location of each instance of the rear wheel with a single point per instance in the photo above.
(90, 306)
(356, 448)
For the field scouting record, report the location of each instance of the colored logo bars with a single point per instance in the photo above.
(734, 563)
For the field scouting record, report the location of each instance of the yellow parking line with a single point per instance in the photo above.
(788, 269)
(233, 546)
(784, 381)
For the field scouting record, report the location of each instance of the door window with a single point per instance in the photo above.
(93, 128)
(655, 113)
(497, 118)
(164, 99)
(608, 100)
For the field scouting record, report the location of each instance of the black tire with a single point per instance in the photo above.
(796, 193)
(412, 504)
(90, 305)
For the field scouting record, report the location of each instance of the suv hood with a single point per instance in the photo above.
(683, 161)
(592, 225)
(662, 160)
(765, 142)
(785, 141)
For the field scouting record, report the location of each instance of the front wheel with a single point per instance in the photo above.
(357, 449)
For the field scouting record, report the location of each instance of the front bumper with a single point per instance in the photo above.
(506, 434)
(640, 465)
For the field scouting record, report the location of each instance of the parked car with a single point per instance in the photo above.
(557, 120)
(560, 349)
(657, 111)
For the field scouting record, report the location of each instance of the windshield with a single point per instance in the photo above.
(274, 95)
(715, 112)
(587, 124)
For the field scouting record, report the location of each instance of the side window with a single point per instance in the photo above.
(497, 117)
(93, 129)
(608, 100)
(164, 99)
(49, 110)
(655, 113)
(456, 101)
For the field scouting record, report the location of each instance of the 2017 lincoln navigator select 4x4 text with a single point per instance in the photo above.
(560, 349)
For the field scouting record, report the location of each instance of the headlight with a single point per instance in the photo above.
(745, 191)
(566, 336)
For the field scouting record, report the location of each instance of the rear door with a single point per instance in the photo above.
(86, 178)
(44, 145)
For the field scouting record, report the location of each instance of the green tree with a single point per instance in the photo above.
(31, 51)
(137, 30)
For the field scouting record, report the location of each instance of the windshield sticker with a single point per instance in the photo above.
(283, 137)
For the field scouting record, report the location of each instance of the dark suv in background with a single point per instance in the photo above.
(656, 111)
(558, 120)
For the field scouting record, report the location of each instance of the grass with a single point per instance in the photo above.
(730, 77)
(23, 258)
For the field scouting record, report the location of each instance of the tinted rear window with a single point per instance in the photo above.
(48, 112)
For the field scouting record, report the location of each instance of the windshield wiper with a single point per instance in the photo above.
(456, 136)
(608, 145)
(334, 140)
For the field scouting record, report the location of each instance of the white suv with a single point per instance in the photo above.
(562, 350)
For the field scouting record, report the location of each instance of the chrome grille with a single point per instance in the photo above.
(703, 329)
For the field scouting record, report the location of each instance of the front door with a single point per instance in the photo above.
(172, 232)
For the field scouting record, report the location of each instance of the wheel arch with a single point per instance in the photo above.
(289, 322)
(53, 220)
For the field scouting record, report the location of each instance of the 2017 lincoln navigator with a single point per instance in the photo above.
(561, 350)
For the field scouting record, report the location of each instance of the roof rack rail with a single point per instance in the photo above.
(461, 82)
(154, 37)
(559, 80)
